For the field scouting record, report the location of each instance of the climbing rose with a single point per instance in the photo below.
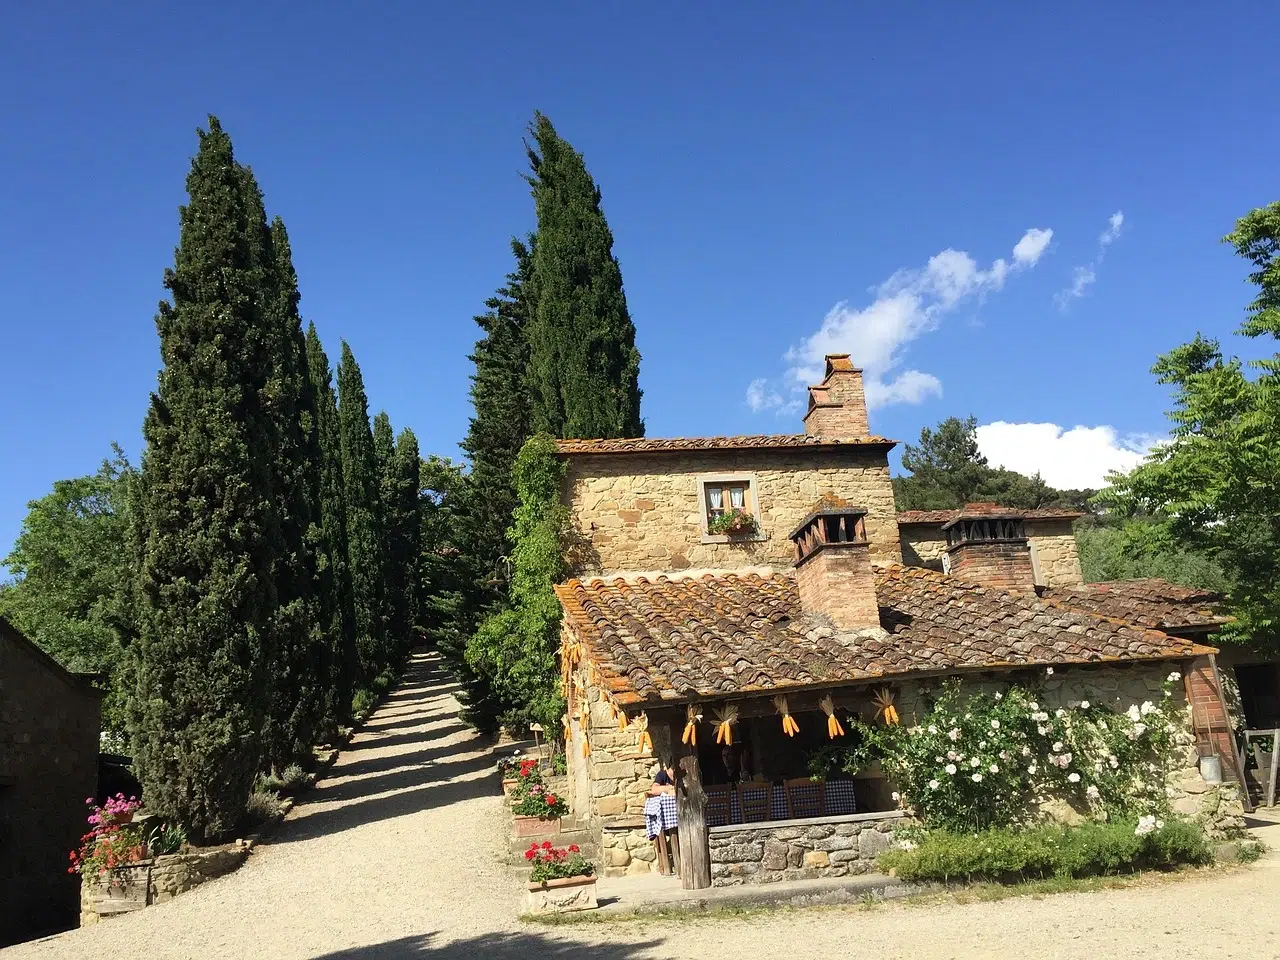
(977, 778)
(950, 768)
(1073, 778)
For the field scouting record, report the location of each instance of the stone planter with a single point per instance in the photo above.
(536, 826)
(563, 896)
(508, 786)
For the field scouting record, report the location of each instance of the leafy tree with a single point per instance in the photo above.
(365, 531)
(68, 567)
(338, 615)
(1215, 486)
(515, 649)
(452, 598)
(1111, 549)
(583, 366)
(948, 471)
(500, 424)
(206, 516)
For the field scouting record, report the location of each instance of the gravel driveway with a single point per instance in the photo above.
(395, 855)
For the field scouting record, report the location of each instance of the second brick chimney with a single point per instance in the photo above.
(833, 568)
(838, 405)
(987, 545)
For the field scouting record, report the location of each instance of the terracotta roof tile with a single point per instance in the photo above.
(1149, 602)
(675, 444)
(945, 516)
(670, 639)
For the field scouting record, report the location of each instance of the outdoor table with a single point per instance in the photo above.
(660, 814)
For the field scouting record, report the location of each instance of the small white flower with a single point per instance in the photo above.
(1049, 670)
(1073, 778)
(999, 695)
(954, 734)
(1059, 713)
(1175, 676)
(977, 778)
(933, 728)
(1057, 745)
(1004, 754)
(1091, 792)
(1026, 751)
(950, 768)
(1139, 729)
(952, 755)
(1033, 705)
(994, 769)
(982, 744)
(1042, 730)
(1031, 768)
(1066, 758)
(1147, 708)
(1134, 713)
(1084, 704)
(933, 784)
(1113, 762)
(995, 724)
(974, 762)
(896, 795)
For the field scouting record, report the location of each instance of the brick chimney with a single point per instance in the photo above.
(833, 568)
(838, 405)
(987, 545)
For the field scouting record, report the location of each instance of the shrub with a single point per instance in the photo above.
(292, 780)
(363, 701)
(1087, 850)
(384, 681)
(161, 838)
(262, 806)
(555, 863)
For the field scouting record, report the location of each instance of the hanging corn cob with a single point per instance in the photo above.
(622, 720)
(726, 717)
(833, 725)
(789, 725)
(883, 700)
(692, 719)
(643, 741)
(586, 745)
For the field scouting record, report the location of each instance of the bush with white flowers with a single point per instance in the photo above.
(980, 760)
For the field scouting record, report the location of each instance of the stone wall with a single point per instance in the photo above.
(49, 725)
(800, 849)
(1052, 544)
(612, 779)
(154, 881)
(642, 512)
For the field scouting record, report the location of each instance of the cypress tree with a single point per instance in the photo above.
(500, 424)
(360, 479)
(404, 539)
(584, 366)
(206, 523)
(384, 454)
(338, 621)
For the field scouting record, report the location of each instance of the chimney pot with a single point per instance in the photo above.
(838, 405)
(987, 545)
(833, 566)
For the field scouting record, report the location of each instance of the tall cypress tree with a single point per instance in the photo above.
(206, 514)
(404, 539)
(384, 454)
(362, 492)
(337, 622)
(584, 366)
(500, 424)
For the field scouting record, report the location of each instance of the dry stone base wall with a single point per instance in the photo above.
(640, 512)
(154, 881)
(627, 852)
(800, 850)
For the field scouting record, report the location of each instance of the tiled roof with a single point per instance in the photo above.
(672, 638)
(1150, 602)
(783, 441)
(945, 516)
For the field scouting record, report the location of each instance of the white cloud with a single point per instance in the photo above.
(1083, 277)
(1078, 458)
(908, 305)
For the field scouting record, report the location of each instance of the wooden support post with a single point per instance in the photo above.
(691, 807)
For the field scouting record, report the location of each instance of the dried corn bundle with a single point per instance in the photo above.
(692, 719)
(883, 700)
(586, 745)
(622, 720)
(726, 717)
(789, 725)
(833, 725)
(643, 741)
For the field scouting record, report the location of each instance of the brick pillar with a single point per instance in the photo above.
(1211, 723)
(838, 405)
(833, 565)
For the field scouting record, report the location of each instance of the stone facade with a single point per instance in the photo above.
(626, 850)
(49, 726)
(1054, 555)
(801, 849)
(642, 512)
(613, 777)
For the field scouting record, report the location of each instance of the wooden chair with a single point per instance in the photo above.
(719, 805)
(805, 797)
(754, 800)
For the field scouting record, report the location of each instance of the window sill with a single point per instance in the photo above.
(726, 538)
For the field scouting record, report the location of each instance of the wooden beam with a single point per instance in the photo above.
(691, 808)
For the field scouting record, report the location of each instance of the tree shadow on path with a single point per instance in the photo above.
(520, 945)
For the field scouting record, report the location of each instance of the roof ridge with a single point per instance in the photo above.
(654, 576)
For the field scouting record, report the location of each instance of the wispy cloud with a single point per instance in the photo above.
(1075, 459)
(908, 305)
(1085, 276)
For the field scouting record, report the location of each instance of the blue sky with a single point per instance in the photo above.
(760, 165)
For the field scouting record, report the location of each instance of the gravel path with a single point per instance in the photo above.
(395, 855)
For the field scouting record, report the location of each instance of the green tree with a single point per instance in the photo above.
(515, 650)
(1215, 486)
(206, 516)
(1111, 549)
(401, 492)
(68, 567)
(365, 531)
(584, 367)
(337, 619)
(500, 422)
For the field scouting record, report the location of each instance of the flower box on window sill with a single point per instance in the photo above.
(739, 523)
(536, 826)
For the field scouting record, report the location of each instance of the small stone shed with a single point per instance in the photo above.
(829, 598)
(49, 727)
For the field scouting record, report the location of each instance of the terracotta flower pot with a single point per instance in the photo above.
(563, 896)
(508, 785)
(536, 826)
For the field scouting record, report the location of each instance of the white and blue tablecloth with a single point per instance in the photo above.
(660, 814)
(838, 799)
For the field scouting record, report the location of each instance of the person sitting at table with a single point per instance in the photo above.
(664, 781)
(660, 818)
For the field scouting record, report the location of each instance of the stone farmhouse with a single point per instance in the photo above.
(731, 571)
(49, 725)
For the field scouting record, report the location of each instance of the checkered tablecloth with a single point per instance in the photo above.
(838, 800)
(660, 814)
